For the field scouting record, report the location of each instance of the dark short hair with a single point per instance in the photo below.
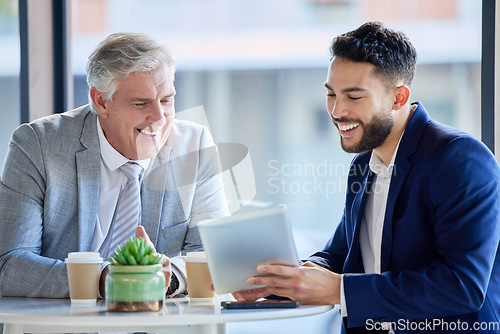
(391, 52)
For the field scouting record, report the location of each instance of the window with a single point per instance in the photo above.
(9, 72)
(259, 72)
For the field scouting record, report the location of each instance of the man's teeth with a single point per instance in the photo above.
(148, 133)
(345, 127)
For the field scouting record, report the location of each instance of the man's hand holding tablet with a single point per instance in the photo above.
(307, 284)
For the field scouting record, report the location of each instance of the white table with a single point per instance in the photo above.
(21, 315)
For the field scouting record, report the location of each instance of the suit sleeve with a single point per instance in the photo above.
(209, 200)
(23, 271)
(464, 199)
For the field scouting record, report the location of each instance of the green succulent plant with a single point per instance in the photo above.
(134, 252)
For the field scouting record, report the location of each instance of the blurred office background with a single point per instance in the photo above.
(258, 68)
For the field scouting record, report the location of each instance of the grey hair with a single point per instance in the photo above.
(122, 54)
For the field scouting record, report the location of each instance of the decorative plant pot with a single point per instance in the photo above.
(135, 288)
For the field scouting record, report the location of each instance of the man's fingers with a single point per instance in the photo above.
(268, 281)
(280, 280)
(164, 261)
(307, 284)
(167, 269)
(275, 269)
(253, 294)
(274, 275)
(140, 232)
(238, 296)
(168, 277)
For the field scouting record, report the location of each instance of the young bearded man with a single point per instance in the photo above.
(416, 249)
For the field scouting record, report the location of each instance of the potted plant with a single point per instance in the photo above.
(135, 281)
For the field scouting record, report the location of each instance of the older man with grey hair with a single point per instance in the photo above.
(63, 177)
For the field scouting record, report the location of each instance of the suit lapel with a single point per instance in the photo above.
(153, 191)
(88, 178)
(402, 167)
(354, 261)
(399, 174)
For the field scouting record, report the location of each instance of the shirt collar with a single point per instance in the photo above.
(377, 165)
(111, 157)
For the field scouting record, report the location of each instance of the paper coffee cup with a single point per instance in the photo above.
(199, 282)
(84, 272)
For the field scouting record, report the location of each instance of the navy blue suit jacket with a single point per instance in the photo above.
(440, 245)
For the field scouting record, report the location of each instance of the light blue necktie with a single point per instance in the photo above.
(128, 209)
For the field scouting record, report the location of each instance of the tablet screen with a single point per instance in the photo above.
(236, 245)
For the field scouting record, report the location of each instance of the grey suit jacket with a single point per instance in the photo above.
(49, 194)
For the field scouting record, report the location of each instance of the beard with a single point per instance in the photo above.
(374, 133)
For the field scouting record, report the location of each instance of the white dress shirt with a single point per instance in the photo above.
(112, 181)
(372, 225)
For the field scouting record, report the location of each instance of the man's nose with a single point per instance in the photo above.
(338, 110)
(156, 113)
(334, 109)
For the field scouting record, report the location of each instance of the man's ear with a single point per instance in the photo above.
(99, 100)
(402, 97)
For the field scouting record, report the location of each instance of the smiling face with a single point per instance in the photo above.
(139, 118)
(360, 105)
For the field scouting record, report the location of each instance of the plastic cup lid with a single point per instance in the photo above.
(84, 257)
(195, 257)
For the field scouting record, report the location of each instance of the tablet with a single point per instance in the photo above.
(236, 245)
